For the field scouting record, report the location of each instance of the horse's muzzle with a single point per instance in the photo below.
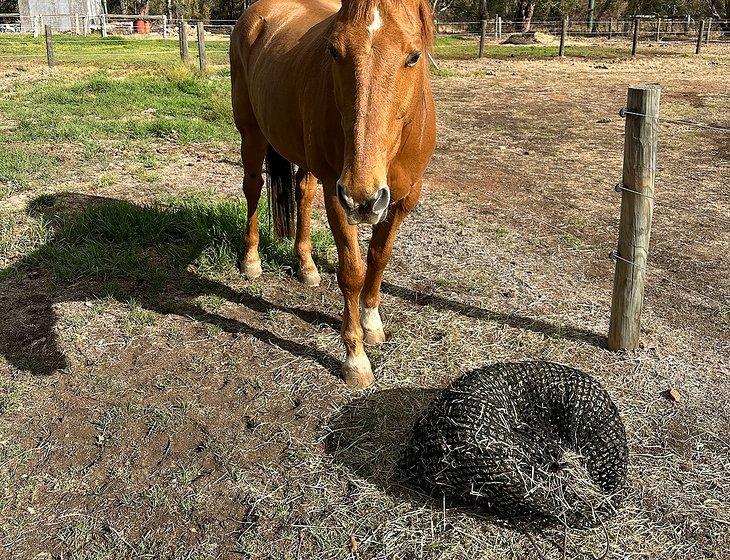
(372, 211)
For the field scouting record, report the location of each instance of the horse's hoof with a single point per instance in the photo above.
(356, 371)
(373, 337)
(309, 277)
(252, 270)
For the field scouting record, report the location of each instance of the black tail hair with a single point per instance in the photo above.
(280, 177)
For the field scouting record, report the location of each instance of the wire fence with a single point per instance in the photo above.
(660, 29)
(720, 301)
(673, 272)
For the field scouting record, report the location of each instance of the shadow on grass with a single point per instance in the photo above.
(517, 321)
(163, 256)
(370, 435)
(159, 255)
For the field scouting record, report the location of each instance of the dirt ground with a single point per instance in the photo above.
(210, 422)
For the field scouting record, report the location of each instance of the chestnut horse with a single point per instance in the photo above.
(343, 92)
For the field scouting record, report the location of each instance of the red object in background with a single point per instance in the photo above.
(142, 26)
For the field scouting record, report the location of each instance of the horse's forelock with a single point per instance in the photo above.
(362, 10)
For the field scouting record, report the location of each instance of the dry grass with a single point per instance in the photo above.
(205, 419)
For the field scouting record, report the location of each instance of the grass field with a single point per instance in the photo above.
(155, 404)
(121, 52)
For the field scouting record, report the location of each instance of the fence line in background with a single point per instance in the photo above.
(657, 28)
(652, 28)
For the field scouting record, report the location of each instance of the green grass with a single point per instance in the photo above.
(176, 105)
(109, 52)
(464, 48)
(114, 239)
(19, 165)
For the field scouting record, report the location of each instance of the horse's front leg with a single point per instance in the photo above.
(356, 369)
(381, 247)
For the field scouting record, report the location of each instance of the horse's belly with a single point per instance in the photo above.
(283, 60)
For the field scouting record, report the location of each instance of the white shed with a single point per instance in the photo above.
(59, 14)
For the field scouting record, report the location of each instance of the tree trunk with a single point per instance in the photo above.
(526, 8)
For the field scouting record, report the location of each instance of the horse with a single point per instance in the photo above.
(340, 93)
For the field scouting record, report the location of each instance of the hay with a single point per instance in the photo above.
(529, 442)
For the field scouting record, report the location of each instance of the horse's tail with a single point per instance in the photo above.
(280, 175)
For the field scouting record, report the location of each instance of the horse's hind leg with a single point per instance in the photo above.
(306, 189)
(253, 151)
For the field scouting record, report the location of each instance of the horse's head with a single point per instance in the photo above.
(379, 63)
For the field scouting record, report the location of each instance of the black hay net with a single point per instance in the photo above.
(531, 442)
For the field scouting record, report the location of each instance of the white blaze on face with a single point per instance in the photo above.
(376, 23)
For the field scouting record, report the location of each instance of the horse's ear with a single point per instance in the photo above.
(426, 14)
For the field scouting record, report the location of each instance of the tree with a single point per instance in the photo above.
(526, 8)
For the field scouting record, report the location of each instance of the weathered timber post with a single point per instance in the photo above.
(563, 31)
(482, 38)
(707, 37)
(76, 24)
(658, 27)
(635, 41)
(184, 53)
(49, 46)
(499, 27)
(699, 37)
(689, 20)
(201, 47)
(36, 26)
(103, 26)
(637, 198)
(610, 28)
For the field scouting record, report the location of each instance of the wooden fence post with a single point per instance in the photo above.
(637, 198)
(689, 20)
(76, 24)
(184, 53)
(635, 41)
(658, 27)
(563, 31)
(103, 26)
(499, 27)
(49, 46)
(201, 47)
(164, 26)
(610, 28)
(707, 37)
(699, 37)
(482, 38)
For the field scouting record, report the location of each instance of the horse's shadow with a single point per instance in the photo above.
(31, 288)
(368, 436)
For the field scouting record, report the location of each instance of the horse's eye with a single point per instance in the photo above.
(413, 59)
(334, 53)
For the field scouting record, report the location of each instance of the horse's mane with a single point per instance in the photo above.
(361, 10)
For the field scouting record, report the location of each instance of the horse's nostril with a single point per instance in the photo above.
(381, 200)
(346, 201)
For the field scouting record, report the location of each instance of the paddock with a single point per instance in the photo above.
(155, 404)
